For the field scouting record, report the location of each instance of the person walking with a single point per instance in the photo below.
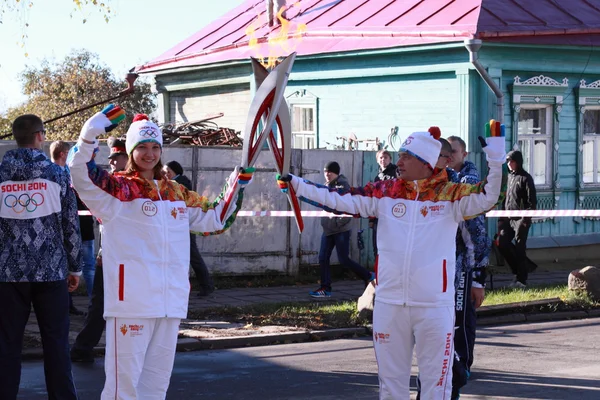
(40, 249)
(336, 234)
(174, 171)
(520, 195)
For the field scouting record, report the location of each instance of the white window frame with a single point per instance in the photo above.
(532, 138)
(595, 139)
(588, 193)
(304, 100)
(304, 135)
(542, 91)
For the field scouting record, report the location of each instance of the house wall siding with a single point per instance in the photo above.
(371, 107)
(558, 64)
(232, 101)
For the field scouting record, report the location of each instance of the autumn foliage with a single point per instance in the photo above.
(80, 79)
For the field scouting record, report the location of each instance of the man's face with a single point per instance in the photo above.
(118, 162)
(458, 156)
(411, 168)
(512, 164)
(444, 159)
(329, 176)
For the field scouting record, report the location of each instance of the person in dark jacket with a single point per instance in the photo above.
(40, 249)
(387, 170)
(520, 195)
(173, 170)
(336, 233)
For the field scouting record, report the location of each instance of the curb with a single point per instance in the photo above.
(191, 344)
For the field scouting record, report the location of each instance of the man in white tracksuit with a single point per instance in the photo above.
(418, 218)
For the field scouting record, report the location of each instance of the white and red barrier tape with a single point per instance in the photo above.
(489, 214)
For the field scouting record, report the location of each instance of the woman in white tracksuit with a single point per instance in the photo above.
(146, 222)
(418, 217)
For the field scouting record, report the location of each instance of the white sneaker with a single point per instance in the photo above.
(517, 285)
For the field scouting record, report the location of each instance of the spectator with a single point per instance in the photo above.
(40, 248)
(473, 247)
(520, 195)
(88, 338)
(336, 233)
(387, 170)
(174, 171)
(58, 155)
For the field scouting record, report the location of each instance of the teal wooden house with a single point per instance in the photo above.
(364, 67)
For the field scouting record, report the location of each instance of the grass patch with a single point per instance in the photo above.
(572, 299)
(320, 315)
(302, 315)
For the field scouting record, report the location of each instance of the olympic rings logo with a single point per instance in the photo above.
(24, 202)
(149, 132)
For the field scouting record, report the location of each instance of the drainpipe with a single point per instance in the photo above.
(473, 45)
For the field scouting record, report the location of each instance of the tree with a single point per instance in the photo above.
(79, 80)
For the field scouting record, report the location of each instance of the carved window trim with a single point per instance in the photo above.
(588, 98)
(536, 92)
(588, 195)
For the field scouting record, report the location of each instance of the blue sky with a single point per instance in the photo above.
(140, 31)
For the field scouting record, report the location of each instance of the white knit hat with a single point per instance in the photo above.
(142, 130)
(424, 145)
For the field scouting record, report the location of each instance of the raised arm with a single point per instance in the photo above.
(95, 186)
(477, 199)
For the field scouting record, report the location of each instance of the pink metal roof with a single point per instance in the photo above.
(346, 25)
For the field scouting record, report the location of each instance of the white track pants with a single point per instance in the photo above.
(396, 330)
(139, 357)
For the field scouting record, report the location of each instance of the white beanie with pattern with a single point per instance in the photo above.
(424, 145)
(142, 130)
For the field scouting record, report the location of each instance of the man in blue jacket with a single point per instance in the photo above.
(40, 259)
(473, 247)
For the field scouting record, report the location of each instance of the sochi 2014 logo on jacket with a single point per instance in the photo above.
(434, 211)
(179, 213)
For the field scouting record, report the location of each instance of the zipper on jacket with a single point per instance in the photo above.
(121, 282)
(165, 250)
(408, 257)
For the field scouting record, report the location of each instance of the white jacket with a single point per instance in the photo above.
(145, 236)
(416, 234)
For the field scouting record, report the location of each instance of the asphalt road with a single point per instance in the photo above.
(553, 360)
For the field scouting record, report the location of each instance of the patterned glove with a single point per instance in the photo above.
(283, 182)
(102, 122)
(245, 176)
(115, 114)
(494, 146)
